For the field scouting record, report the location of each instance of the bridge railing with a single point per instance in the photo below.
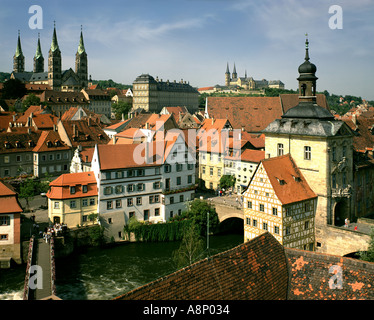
(53, 266)
(30, 255)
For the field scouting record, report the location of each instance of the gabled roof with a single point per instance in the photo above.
(8, 200)
(60, 187)
(15, 142)
(50, 141)
(363, 132)
(286, 179)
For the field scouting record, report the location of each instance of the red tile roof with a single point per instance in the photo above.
(282, 172)
(255, 270)
(8, 200)
(50, 141)
(60, 188)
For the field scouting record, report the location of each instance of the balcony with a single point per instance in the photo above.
(179, 189)
(342, 192)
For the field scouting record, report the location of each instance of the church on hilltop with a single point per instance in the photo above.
(248, 83)
(56, 78)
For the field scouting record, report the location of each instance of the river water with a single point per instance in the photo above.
(105, 273)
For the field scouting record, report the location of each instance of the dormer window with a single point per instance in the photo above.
(18, 144)
(31, 143)
(57, 143)
(281, 181)
(7, 144)
(49, 144)
(72, 190)
(297, 179)
(84, 189)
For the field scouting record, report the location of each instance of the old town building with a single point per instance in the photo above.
(153, 94)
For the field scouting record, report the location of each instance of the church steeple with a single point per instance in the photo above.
(81, 63)
(54, 63)
(38, 58)
(227, 76)
(234, 74)
(19, 58)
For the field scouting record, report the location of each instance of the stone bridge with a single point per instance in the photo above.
(227, 207)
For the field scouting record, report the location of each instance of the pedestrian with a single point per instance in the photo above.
(346, 223)
(355, 228)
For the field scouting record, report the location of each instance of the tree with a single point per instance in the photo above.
(120, 108)
(28, 189)
(227, 181)
(198, 211)
(13, 89)
(369, 254)
(30, 100)
(190, 248)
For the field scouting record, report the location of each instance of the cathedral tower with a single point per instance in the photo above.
(81, 65)
(18, 58)
(54, 64)
(234, 74)
(227, 76)
(38, 58)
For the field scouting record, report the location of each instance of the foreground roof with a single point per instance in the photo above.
(8, 200)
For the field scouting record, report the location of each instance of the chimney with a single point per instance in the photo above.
(14, 118)
(29, 130)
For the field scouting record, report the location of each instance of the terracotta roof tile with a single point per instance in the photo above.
(288, 182)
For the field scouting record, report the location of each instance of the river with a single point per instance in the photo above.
(105, 273)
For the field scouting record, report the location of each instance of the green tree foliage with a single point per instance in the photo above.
(30, 100)
(227, 181)
(110, 84)
(4, 76)
(96, 234)
(369, 254)
(28, 189)
(198, 211)
(13, 89)
(120, 108)
(191, 247)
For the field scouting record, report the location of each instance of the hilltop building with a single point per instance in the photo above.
(248, 83)
(55, 77)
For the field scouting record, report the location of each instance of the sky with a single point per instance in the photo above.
(194, 40)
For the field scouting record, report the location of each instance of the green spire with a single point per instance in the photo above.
(38, 53)
(54, 45)
(19, 49)
(81, 48)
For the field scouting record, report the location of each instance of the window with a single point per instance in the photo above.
(130, 188)
(140, 172)
(6, 159)
(264, 226)
(56, 205)
(131, 214)
(108, 190)
(262, 207)
(181, 198)
(157, 185)
(109, 204)
(219, 172)
(190, 166)
(146, 215)
(84, 218)
(249, 204)
(72, 190)
(157, 212)
(140, 186)
(3, 237)
(44, 158)
(119, 189)
(119, 174)
(306, 225)
(73, 204)
(130, 173)
(179, 167)
(211, 171)
(288, 230)
(18, 158)
(51, 157)
(84, 202)
(307, 153)
(108, 175)
(157, 198)
(333, 152)
(248, 221)
(254, 221)
(138, 201)
(344, 151)
(306, 207)
(167, 168)
(171, 200)
(203, 170)
(333, 178)
(4, 220)
(280, 149)
(189, 178)
(84, 189)
(58, 156)
(276, 229)
(179, 179)
(275, 211)
(92, 201)
(118, 204)
(130, 202)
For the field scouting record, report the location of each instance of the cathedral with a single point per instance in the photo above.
(248, 83)
(56, 78)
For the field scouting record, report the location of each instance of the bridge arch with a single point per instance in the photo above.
(226, 216)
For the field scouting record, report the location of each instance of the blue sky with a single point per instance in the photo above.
(194, 39)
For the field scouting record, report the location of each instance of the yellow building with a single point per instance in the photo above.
(279, 200)
(213, 139)
(72, 198)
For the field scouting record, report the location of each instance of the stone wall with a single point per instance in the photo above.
(340, 241)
